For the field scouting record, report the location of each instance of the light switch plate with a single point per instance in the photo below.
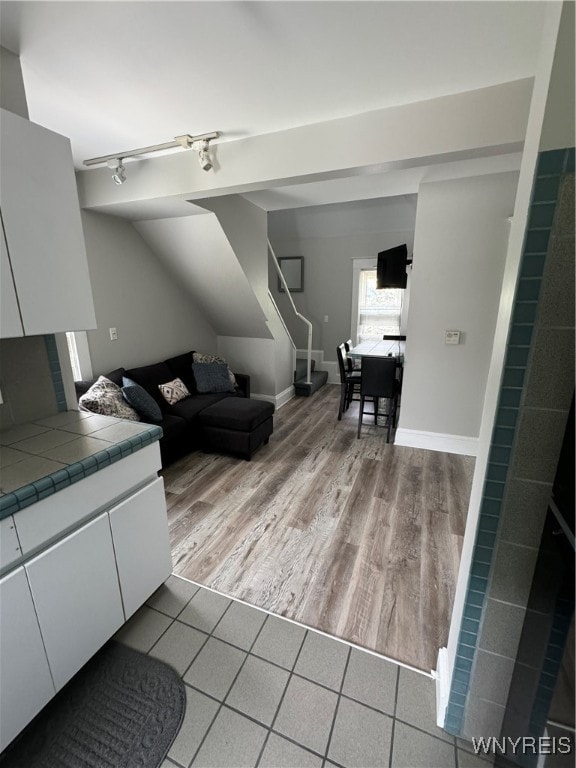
(113, 334)
(452, 337)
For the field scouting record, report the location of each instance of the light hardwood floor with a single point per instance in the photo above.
(354, 537)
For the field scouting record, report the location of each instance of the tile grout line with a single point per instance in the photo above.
(307, 628)
(395, 708)
(291, 672)
(208, 636)
(327, 748)
(209, 729)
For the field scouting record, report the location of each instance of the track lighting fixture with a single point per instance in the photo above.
(199, 143)
(204, 155)
(119, 172)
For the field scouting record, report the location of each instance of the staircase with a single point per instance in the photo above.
(317, 378)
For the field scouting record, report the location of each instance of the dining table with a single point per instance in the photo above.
(378, 348)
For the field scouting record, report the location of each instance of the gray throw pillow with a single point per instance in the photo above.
(212, 377)
(200, 357)
(142, 402)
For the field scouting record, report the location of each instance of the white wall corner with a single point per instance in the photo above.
(442, 686)
(317, 355)
(278, 400)
(437, 441)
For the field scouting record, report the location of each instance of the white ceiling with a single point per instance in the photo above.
(118, 75)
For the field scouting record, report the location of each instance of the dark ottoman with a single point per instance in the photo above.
(236, 425)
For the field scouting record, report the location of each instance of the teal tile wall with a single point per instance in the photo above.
(552, 166)
(55, 370)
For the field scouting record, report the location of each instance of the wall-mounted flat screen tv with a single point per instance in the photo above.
(391, 269)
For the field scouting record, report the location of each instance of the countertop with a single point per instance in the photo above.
(44, 456)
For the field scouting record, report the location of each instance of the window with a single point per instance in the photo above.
(79, 355)
(379, 311)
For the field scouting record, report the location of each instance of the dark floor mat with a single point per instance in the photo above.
(122, 710)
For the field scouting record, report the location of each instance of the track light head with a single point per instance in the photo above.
(203, 149)
(119, 172)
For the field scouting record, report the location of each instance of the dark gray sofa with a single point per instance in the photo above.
(238, 429)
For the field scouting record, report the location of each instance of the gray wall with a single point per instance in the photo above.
(459, 251)
(329, 237)
(25, 381)
(134, 293)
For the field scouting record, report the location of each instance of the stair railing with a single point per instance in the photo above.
(298, 314)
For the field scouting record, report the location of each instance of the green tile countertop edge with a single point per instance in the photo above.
(40, 489)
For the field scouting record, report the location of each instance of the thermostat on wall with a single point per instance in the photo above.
(452, 337)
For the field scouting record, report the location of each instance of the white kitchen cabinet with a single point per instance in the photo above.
(40, 524)
(43, 228)
(10, 322)
(141, 541)
(26, 684)
(77, 597)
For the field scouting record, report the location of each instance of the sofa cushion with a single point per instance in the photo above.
(190, 407)
(172, 426)
(173, 391)
(143, 403)
(149, 377)
(105, 397)
(181, 366)
(237, 414)
(212, 377)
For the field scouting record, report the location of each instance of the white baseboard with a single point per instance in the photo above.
(278, 400)
(437, 441)
(317, 354)
(442, 691)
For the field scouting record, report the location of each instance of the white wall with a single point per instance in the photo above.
(134, 293)
(198, 254)
(12, 92)
(459, 252)
(269, 365)
(476, 123)
(330, 237)
(245, 226)
(255, 357)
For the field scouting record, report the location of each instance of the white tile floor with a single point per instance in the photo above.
(262, 691)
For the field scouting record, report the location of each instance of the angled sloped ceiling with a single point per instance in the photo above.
(196, 250)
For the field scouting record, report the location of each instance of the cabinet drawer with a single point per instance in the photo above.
(77, 597)
(45, 521)
(141, 541)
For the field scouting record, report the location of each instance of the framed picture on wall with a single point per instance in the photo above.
(293, 270)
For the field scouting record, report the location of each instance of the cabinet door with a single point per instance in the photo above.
(26, 682)
(10, 322)
(10, 549)
(142, 545)
(75, 589)
(39, 202)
